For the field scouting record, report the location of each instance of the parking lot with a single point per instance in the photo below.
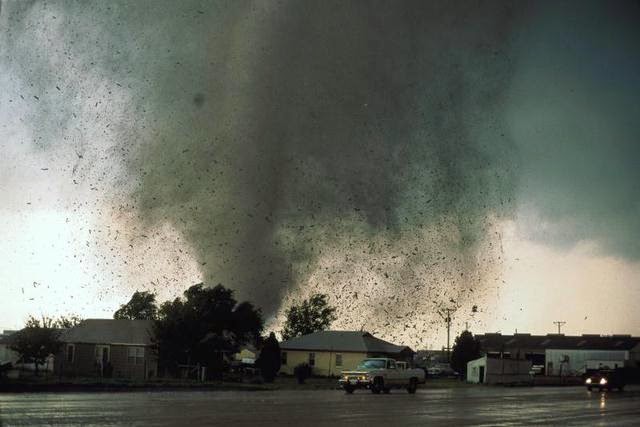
(454, 406)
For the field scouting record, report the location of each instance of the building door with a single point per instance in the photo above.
(102, 354)
(481, 376)
(102, 358)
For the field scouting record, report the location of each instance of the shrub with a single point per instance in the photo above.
(302, 372)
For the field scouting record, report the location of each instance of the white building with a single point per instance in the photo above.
(572, 362)
(489, 370)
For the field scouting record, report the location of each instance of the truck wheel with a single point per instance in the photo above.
(348, 389)
(413, 385)
(377, 386)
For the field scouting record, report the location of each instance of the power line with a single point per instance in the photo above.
(560, 324)
(446, 315)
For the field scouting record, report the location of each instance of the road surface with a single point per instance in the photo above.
(455, 406)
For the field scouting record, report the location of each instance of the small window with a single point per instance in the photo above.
(312, 359)
(283, 358)
(71, 353)
(136, 355)
(391, 364)
(338, 359)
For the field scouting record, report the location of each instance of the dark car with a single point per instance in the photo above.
(605, 379)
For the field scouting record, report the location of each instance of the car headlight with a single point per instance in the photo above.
(588, 381)
(603, 381)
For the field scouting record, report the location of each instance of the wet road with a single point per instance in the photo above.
(456, 406)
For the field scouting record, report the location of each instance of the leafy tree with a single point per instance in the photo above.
(310, 316)
(36, 341)
(67, 322)
(269, 360)
(203, 326)
(141, 306)
(465, 348)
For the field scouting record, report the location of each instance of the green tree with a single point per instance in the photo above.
(36, 341)
(203, 326)
(269, 361)
(465, 348)
(141, 306)
(312, 315)
(66, 322)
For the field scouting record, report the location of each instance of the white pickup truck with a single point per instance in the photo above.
(381, 375)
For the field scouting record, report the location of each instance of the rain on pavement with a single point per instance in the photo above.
(456, 406)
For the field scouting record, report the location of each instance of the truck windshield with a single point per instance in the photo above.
(372, 364)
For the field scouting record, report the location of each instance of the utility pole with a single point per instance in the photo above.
(560, 324)
(446, 315)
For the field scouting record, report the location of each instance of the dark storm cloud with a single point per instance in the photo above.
(355, 118)
(267, 132)
(579, 134)
(276, 135)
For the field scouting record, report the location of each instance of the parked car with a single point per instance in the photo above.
(381, 375)
(605, 379)
(442, 370)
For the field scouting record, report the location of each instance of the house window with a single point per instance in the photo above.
(283, 358)
(136, 355)
(312, 359)
(71, 353)
(338, 359)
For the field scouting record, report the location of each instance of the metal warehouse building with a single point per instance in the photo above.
(558, 354)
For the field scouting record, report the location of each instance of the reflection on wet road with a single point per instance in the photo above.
(456, 406)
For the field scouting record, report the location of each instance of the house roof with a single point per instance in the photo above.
(110, 331)
(496, 342)
(356, 341)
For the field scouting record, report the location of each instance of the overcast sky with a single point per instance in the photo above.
(402, 157)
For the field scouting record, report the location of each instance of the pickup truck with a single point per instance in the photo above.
(381, 375)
